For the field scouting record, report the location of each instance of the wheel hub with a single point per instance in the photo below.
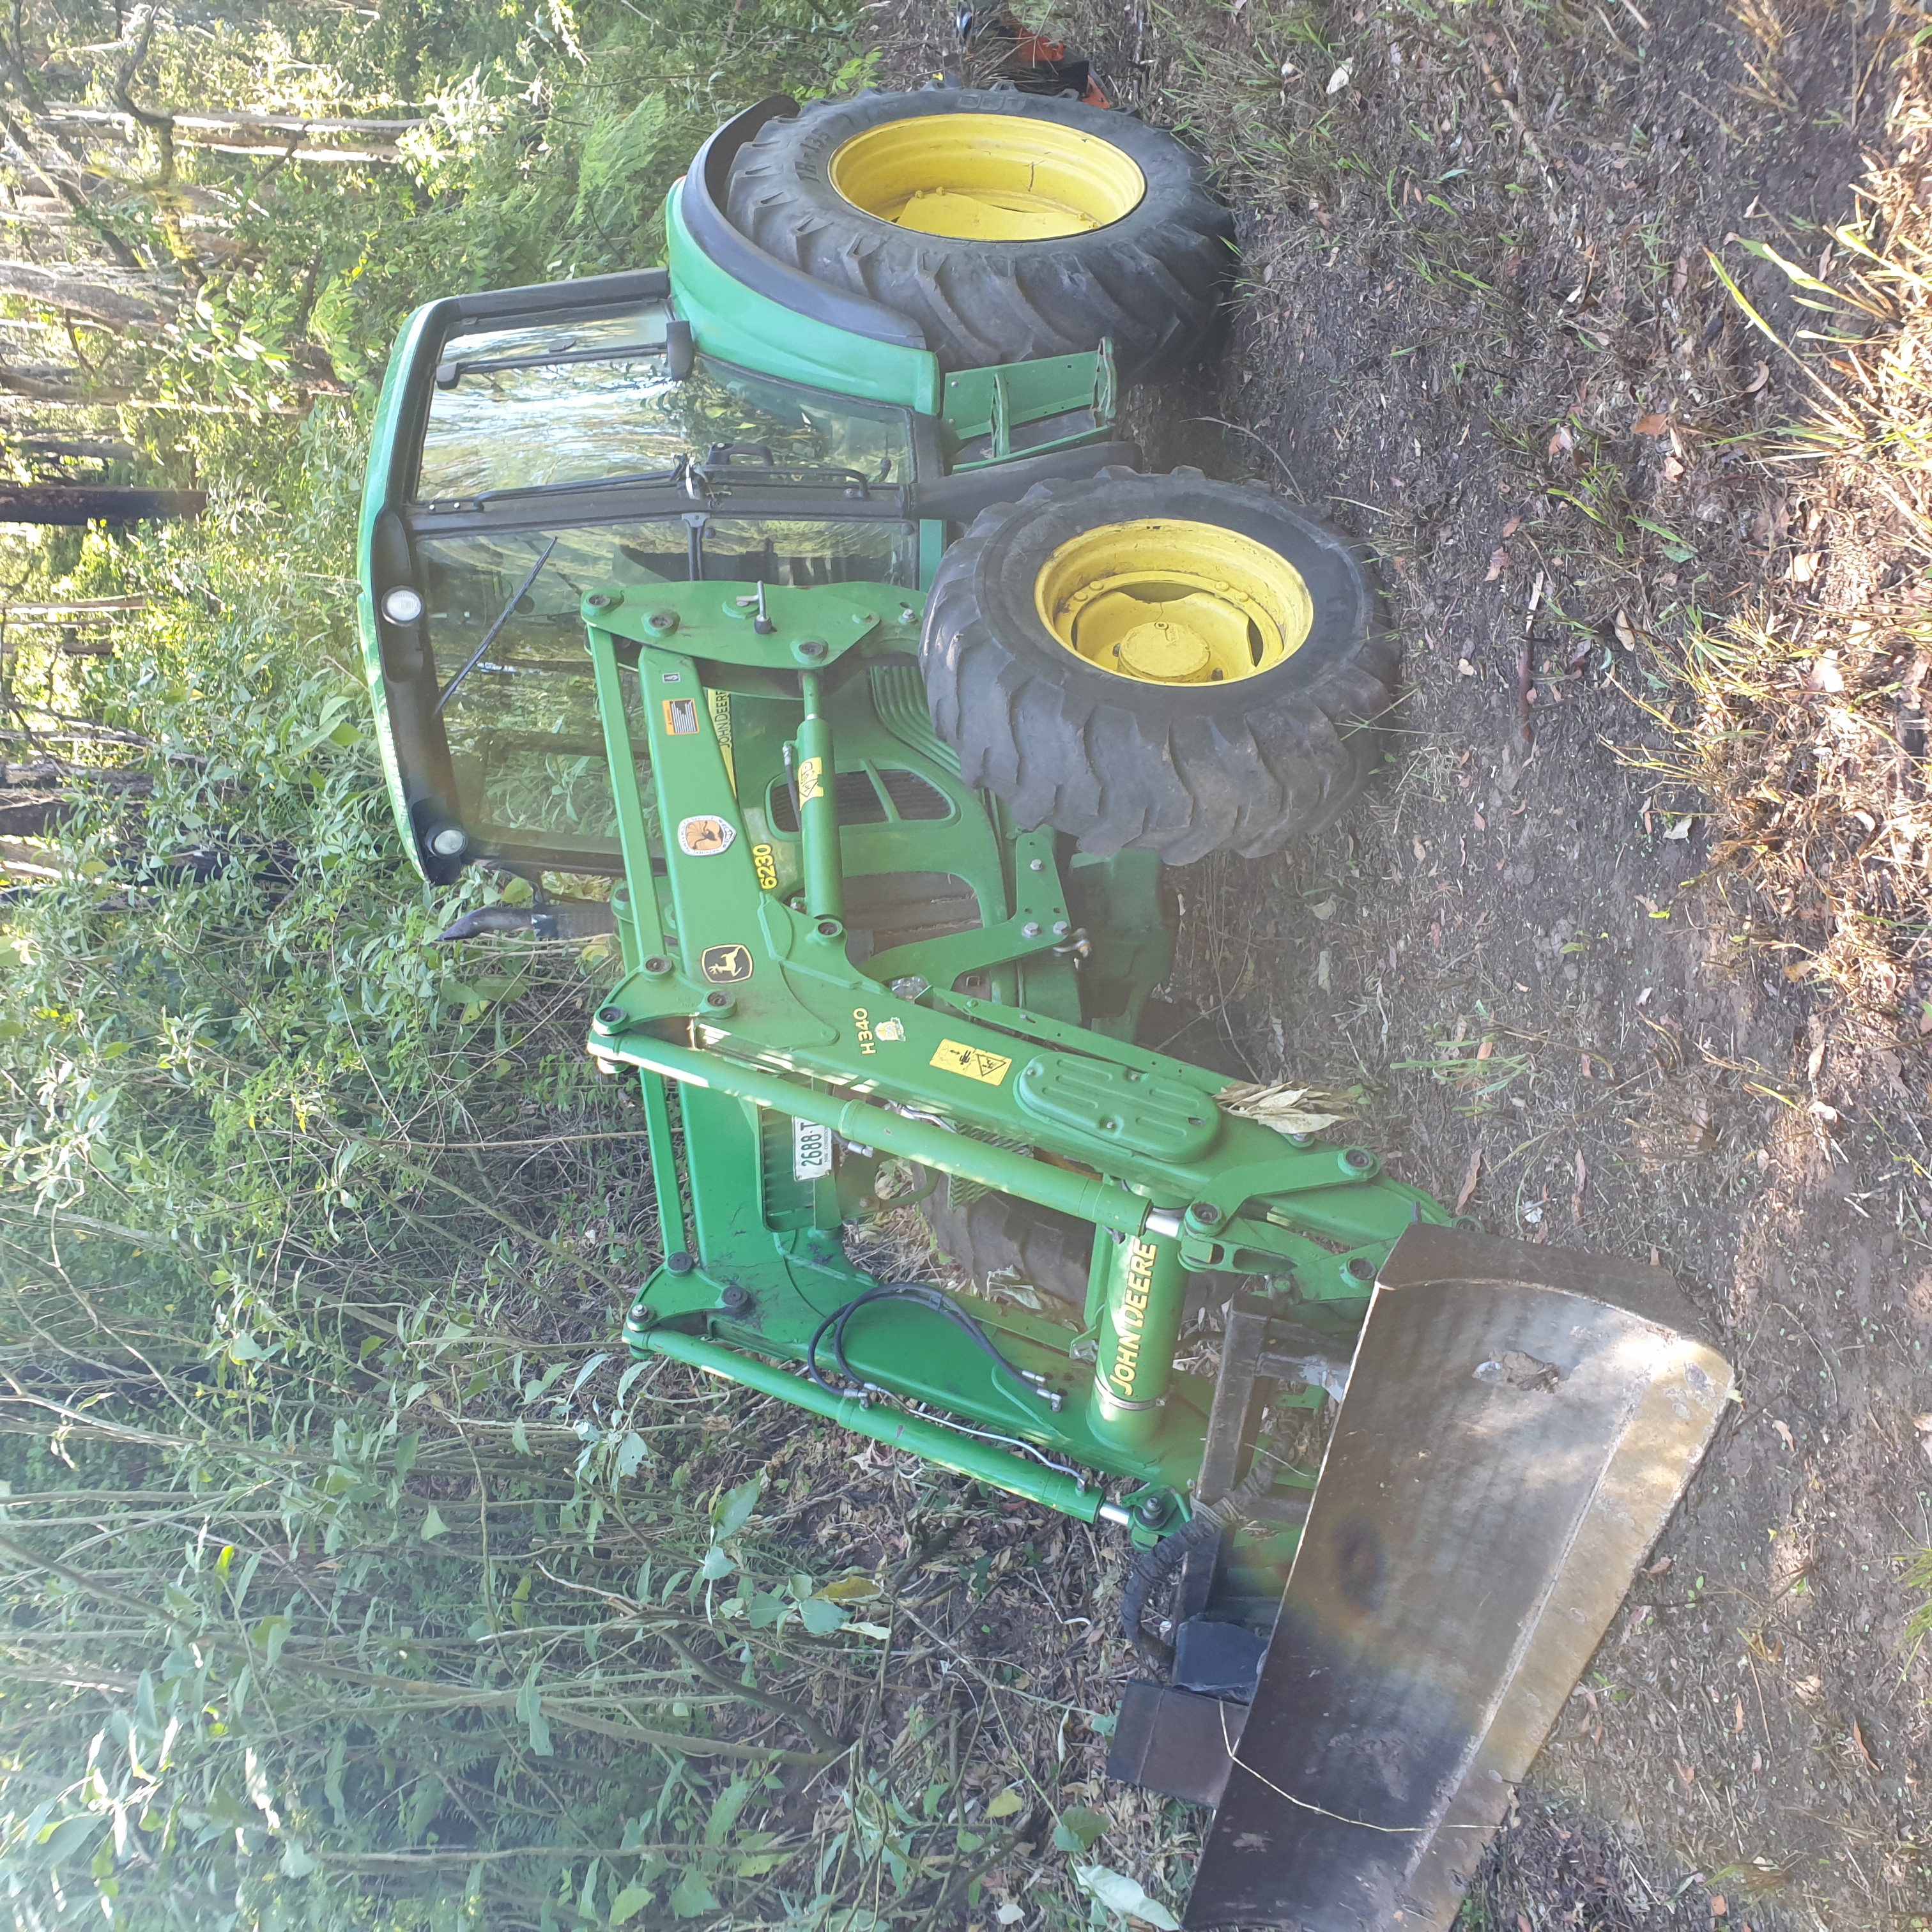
(987, 178)
(1164, 653)
(1163, 601)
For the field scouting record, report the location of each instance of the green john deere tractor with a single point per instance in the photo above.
(803, 591)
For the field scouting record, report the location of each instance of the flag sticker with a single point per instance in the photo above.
(680, 715)
(706, 836)
(971, 1063)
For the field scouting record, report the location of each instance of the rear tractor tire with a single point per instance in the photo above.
(1161, 662)
(997, 1232)
(1008, 225)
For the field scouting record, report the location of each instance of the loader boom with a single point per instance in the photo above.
(748, 991)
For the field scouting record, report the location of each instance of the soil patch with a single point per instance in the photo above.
(1480, 329)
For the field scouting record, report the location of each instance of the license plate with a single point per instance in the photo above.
(811, 1151)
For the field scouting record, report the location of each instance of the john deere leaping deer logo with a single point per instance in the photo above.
(706, 836)
(725, 965)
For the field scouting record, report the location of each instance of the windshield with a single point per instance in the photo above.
(525, 742)
(535, 408)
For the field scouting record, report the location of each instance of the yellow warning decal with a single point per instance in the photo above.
(971, 1062)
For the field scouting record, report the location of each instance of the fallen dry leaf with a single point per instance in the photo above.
(1583, 1181)
(1324, 910)
(1655, 423)
(1784, 1434)
(1464, 668)
(1562, 443)
(1681, 830)
(1499, 561)
(1760, 376)
(1511, 528)
(1858, 1738)
(1804, 565)
(1338, 80)
(1657, 1568)
(1688, 1772)
(1474, 1174)
(1626, 631)
(1720, 1906)
(1825, 674)
(1672, 469)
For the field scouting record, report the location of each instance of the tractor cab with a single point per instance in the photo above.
(540, 443)
(533, 444)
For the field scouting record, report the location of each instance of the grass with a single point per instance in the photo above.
(1471, 1063)
(1806, 732)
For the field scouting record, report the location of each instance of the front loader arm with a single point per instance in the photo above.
(745, 1012)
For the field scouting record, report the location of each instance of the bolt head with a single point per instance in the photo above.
(830, 928)
(717, 1000)
(1206, 1214)
(657, 965)
(610, 1016)
(812, 647)
(1358, 1160)
(642, 1312)
(1151, 1510)
(1061, 929)
(680, 1263)
(1359, 1267)
(662, 623)
(1031, 930)
(735, 1299)
(598, 600)
(1037, 865)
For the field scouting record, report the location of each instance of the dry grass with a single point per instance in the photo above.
(1808, 738)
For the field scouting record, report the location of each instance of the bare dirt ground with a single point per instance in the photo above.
(1478, 329)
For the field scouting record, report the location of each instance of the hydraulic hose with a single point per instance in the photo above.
(1153, 1568)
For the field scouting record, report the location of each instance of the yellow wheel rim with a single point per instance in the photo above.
(987, 177)
(1165, 602)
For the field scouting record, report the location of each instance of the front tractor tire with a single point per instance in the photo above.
(1162, 662)
(1008, 225)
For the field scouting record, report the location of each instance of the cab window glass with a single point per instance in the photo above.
(590, 416)
(525, 741)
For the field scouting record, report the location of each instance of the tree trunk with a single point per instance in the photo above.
(86, 607)
(88, 449)
(47, 289)
(35, 799)
(94, 503)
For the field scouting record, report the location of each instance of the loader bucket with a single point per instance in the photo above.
(1519, 1422)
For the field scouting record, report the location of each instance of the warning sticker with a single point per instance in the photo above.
(810, 780)
(680, 715)
(971, 1062)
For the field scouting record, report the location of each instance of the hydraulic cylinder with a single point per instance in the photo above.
(1140, 1326)
(818, 808)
